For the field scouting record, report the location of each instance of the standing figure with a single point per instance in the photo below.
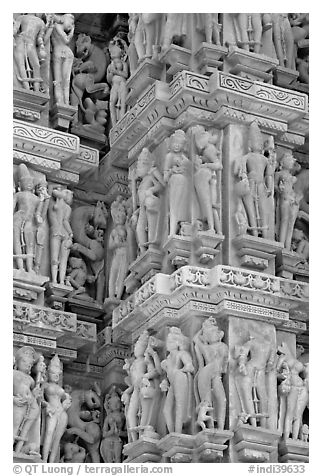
(212, 356)
(208, 24)
(116, 75)
(57, 401)
(26, 409)
(136, 39)
(147, 201)
(177, 174)
(26, 208)
(205, 176)
(41, 217)
(254, 172)
(178, 384)
(175, 29)
(150, 393)
(62, 56)
(300, 244)
(288, 201)
(283, 40)
(255, 359)
(30, 35)
(117, 244)
(113, 429)
(292, 391)
(248, 28)
(77, 277)
(61, 234)
(136, 371)
(152, 26)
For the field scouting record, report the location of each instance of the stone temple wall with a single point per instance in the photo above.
(161, 232)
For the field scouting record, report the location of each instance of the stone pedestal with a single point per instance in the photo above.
(86, 309)
(176, 58)
(146, 265)
(209, 57)
(257, 253)
(28, 105)
(285, 76)
(210, 444)
(207, 247)
(24, 458)
(144, 450)
(144, 75)
(90, 137)
(254, 444)
(179, 249)
(29, 286)
(249, 65)
(62, 115)
(290, 264)
(177, 447)
(293, 451)
(56, 295)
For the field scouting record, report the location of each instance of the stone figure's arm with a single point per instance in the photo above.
(271, 360)
(167, 167)
(187, 362)
(67, 223)
(197, 344)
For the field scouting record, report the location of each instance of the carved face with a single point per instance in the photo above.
(177, 144)
(144, 163)
(27, 184)
(83, 45)
(287, 161)
(24, 363)
(68, 22)
(53, 376)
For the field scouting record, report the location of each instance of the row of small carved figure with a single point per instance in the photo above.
(43, 410)
(165, 396)
(278, 35)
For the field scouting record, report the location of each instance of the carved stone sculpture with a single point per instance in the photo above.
(255, 183)
(77, 277)
(177, 174)
(27, 396)
(62, 56)
(178, 384)
(146, 199)
(152, 28)
(288, 201)
(283, 40)
(56, 402)
(212, 358)
(206, 166)
(61, 234)
(118, 245)
(42, 193)
(95, 115)
(116, 75)
(89, 69)
(248, 30)
(113, 429)
(30, 36)
(73, 453)
(175, 29)
(131, 397)
(25, 205)
(300, 244)
(208, 23)
(88, 224)
(85, 423)
(136, 50)
(293, 391)
(255, 360)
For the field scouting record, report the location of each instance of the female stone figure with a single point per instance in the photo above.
(59, 212)
(248, 28)
(178, 367)
(177, 174)
(150, 183)
(111, 444)
(283, 40)
(136, 371)
(150, 393)
(41, 217)
(25, 397)
(136, 39)
(293, 392)
(205, 176)
(288, 202)
(116, 75)
(255, 358)
(62, 56)
(212, 357)
(57, 401)
(118, 245)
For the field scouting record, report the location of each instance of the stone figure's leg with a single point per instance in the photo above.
(250, 212)
(284, 220)
(181, 397)
(289, 44)
(17, 244)
(262, 395)
(19, 55)
(245, 390)
(64, 254)
(30, 243)
(262, 203)
(59, 431)
(220, 401)
(168, 410)
(168, 29)
(33, 414)
(294, 209)
(66, 72)
(138, 42)
(113, 102)
(277, 38)
(141, 229)
(49, 433)
(100, 287)
(291, 401)
(257, 31)
(38, 254)
(281, 413)
(58, 88)
(149, 37)
(216, 30)
(18, 415)
(123, 94)
(132, 414)
(302, 402)
(202, 187)
(34, 63)
(208, 27)
(112, 279)
(242, 22)
(54, 249)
